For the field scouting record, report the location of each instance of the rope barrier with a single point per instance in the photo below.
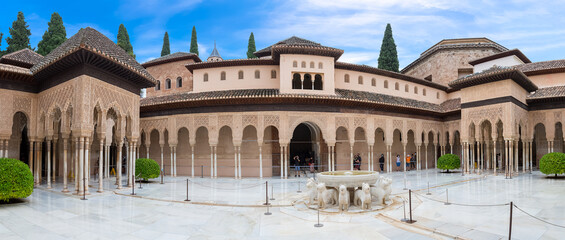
(463, 204)
(539, 219)
(220, 188)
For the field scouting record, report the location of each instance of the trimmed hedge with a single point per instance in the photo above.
(146, 168)
(552, 163)
(16, 180)
(448, 161)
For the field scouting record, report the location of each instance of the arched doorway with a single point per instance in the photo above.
(306, 144)
(19, 139)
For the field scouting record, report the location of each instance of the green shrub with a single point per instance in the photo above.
(16, 180)
(146, 168)
(552, 163)
(448, 161)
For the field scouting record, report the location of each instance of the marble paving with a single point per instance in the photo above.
(227, 208)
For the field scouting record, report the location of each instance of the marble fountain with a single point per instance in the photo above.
(343, 189)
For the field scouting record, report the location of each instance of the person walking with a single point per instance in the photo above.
(296, 166)
(382, 161)
(408, 162)
(397, 162)
(413, 161)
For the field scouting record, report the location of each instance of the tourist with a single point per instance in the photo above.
(382, 161)
(312, 170)
(397, 162)
(357, 162)
(296, 165)
(408, 162)
(413, 161)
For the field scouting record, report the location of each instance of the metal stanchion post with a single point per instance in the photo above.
(139, 180)
(298, 187)
(266, 193)
(510, 227)
(133, 187)
(410, 206)
(428, 189)
(447, 197)
(272, 192)
(187, 200)
(201, 171)
(162, 176)
(318, 224)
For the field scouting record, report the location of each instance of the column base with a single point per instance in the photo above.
(99, 191)
(65, 190)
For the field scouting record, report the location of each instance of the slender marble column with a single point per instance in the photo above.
(1, 148)
(65, 170)
(76, 160)
(86, 163)
(260, 162)
(351, 155)
(281, 161)
(192, 160)
(80, 169)
(215, 161)
(162, 163)
(404, 158)
(48, 163)
(31, 157)
(172, 162)
(119, 166)
(100, 167)
(175, 157)
(54, 166)
(239, 161)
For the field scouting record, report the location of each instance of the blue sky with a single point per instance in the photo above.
(536, 28)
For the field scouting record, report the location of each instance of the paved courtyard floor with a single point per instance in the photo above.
(226, 208)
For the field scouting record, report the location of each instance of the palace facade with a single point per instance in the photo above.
(77, 111)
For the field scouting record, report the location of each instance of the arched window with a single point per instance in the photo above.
(406, 88)
(273, 73)
(158, 86)
(396, 86)
(318, 84)
(374, 82)
(424, 92)
(294, 64)
(240, 75)
(168, 83)
(312, 65)
(223, 76)
(205, 77)
(179, 82)
(346, 78)
(307, 84)
(360, 80)
(320, 65)
(257, 74)
(296, 82)
(303, 64)
(416, 90)
(386, 84)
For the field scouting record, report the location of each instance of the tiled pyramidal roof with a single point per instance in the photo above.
(548, 92)
(171, 58)
(95, 42)
(25, 58)
(293, 41)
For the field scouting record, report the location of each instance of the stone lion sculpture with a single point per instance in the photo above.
(343, 202)
(312, 192)
(381, 190)
(326, 196)
(362, 197)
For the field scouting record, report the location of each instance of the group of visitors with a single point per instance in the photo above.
(299, 163)
(410, 162)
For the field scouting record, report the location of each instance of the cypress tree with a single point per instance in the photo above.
(388, 58)
(19, 35)
(193, 41)
(54, 36)
(251, 46)
(166, 47)
(123, 40)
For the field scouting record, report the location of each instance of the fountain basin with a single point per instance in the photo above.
(350, 179)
